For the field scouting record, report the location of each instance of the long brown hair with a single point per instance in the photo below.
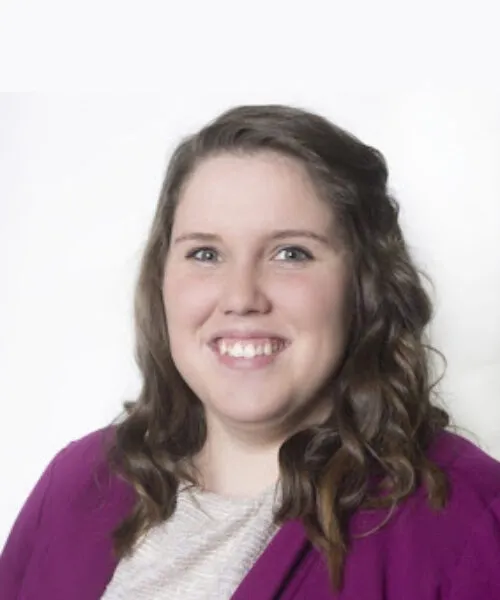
(372, 449)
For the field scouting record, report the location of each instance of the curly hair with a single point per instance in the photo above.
(371, 451)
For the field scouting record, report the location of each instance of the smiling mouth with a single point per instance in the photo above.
(249, 349)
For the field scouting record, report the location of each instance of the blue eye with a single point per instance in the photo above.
(294, 254)
(203, 255)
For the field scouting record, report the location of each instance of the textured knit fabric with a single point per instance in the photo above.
(60, 546)
(203, 551)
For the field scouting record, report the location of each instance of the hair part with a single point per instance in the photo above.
(371, 451)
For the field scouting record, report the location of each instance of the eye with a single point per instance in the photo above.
(205, 255)
(294, 254)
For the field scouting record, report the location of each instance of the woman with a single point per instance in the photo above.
(284, 444)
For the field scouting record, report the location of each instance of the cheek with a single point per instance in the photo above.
(319, 304)
(187, 300)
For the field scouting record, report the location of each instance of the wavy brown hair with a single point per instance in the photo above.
(371, 451)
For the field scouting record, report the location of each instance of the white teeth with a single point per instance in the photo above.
(237, 350)
(248, 350)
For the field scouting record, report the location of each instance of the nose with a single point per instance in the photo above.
(243, 292)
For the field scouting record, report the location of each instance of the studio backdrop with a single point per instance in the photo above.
(80, 177)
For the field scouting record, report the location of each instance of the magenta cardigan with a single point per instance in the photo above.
(60, 545)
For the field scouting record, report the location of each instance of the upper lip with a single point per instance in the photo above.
(245, 334)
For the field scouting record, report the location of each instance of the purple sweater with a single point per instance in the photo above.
(60, 546)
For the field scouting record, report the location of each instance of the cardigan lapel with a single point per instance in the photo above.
(102, 561)
(266, 578)
(90, 559)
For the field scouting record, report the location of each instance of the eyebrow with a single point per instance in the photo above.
(275, 235)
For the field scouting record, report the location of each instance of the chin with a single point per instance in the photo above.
(249, 412)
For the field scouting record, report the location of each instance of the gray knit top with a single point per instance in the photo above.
(201, 553)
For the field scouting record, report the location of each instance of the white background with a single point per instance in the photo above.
(82, 159)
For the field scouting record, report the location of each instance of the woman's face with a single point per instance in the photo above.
(255, 291)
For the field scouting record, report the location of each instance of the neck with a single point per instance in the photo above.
(237, 465)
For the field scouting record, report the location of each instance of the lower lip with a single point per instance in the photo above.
(257, 362)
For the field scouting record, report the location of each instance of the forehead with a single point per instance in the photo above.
(242, 192)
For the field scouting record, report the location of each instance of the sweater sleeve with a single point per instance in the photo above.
(477, 572)
(18, 548)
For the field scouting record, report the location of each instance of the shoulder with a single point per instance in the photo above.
(76, 493)
(82, 456)
(439, 536)
(460, 543)
(473, 475)
(473, 481)
(82, 469)
(86, 453)
(470, 522)
(451, 552)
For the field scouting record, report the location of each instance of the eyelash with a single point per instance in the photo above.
(307, 256)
